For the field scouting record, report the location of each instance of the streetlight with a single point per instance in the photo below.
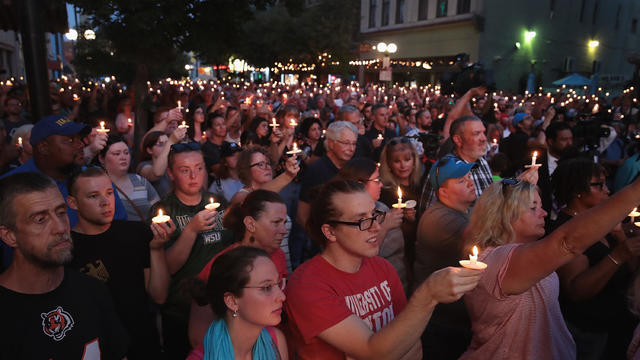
(72, 35)
(89, 34)
(593, 44)
(529, 35)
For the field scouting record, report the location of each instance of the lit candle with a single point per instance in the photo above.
(212, 205)
(102, 128)
(20, 142)
(160, 218)
(295, 150)
(75, 97)
(179, 105)
(293, 123)
(274, 124)
(400, 204)
(533, 160)
(184, 125)
(633, 214)
(473, 262)
(129, 122)
(204, 134)
(495, 142)
(380, 137)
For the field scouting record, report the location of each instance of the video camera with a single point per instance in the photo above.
(468, 76)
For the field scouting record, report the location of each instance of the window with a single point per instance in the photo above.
(582, 10)
(385, 13)
(618, 16)
(464, 6)
(441, 10)
(634, 25)
(372, 13)
(595, 12)
(399, 11)
(423, 7)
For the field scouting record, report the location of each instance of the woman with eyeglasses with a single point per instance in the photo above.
(347, 302)
(593, 285)
(400, 167)
(256, 172)
(515, 311)
(154, 158)
(365, 171)
(138, 195)
(259, 221)
(244, 291)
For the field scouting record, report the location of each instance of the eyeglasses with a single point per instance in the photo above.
(363, 224)
(264, 165)
(599, 185)
(346, 143)
(399, 140)
(268, 289)
(185, 146)
(509, 182)
(376, 180)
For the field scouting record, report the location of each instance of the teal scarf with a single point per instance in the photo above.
(217, 344)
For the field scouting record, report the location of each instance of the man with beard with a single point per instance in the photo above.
(52, 313)
(126, 255)
(559, 146)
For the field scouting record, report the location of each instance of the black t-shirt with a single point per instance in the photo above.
(118, 258)
(318, 173)
(75, 321)
(372, 134)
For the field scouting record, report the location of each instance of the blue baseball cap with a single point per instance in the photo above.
(55, 125)
(449, 167)
(517, 118)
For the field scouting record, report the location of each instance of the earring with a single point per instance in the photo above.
(235, 313)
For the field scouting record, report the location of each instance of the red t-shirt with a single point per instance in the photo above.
(277, 257)
(320, 296)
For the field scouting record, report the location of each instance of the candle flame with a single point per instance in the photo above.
(399, 194)
(211, 200)
(475, 250)
(159, 212)
(535, 154)
(102, 124)
(129, 120)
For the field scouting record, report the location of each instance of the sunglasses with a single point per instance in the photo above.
(399, 140)
(508, 182)
(185, 146)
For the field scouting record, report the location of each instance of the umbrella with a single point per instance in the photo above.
(573, 80)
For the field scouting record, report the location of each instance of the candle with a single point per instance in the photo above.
(212, 205)
(400, 204)
(160, 218)
(380, 137)
(533, 160)
(102, 128)
(179, 105)
(75, 97)
(129, 122)
(495, 142)
(295, 149)
(293, 123)
(204, 134)
(473, 262)
(274, 124)
(633, 214)
(20, 142)
(184, 125)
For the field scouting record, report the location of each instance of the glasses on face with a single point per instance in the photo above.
(347, 143)
(185, 146)
(264, 165)
(376, 180)
(363, 224)
(268, 289)
(599, 185)
(508, 182)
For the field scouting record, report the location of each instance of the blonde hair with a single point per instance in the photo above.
(388, 179)
(499, 206)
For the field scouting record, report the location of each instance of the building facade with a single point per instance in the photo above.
(550, 38)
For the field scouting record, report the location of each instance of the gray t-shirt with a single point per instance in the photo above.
(438, 245)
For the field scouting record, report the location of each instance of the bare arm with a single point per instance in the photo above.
(461, 108)
(402, 335)
(534, 261)
(156, 277)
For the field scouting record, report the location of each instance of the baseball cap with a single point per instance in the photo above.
(229, 148)
(517, 118)
(449, 167)
(54, 125)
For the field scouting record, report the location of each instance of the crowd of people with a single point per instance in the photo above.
(319, 221)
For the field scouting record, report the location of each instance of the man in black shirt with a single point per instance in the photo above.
(127, 256)
(379, 134)
(51, 313)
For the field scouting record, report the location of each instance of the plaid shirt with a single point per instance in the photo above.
(480, 174)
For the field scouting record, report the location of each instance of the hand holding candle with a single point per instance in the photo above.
(295, 151)
(179, 105)
(184, 125)
(473, 262)
(274, 124)
(633, 214)
(160, 218)
(20, 142)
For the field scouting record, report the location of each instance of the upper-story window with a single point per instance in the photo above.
(423, 9)
(464, 6)
(372, 13)
(441, 8)
(399, 11)
(385, 12)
